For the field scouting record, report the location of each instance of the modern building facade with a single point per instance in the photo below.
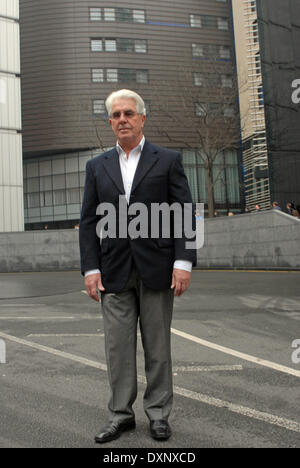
(178, 56)
(11, 175)
(268, 60)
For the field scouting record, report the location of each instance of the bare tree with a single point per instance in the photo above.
(199, 110)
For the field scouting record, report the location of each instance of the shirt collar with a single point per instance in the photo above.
(138, 148)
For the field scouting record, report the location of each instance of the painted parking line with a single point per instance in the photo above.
(238, 354)
(202, 398)
(221, 368)
(63, 335)
(39, 317)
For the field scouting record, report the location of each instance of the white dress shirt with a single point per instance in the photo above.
(128, 167)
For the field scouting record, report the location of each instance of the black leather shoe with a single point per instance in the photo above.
(114, 430)
(160, 429)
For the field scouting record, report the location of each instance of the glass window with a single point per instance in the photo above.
(195, 21)
(97, 75)
(201, 109)
(59, 181)
(112, 75)
(72, 164)
(197, 50)
(126, 45)
(59, 197)
(95, 14)
(225, 52)
(124, 15)
(45, 168)
(209, 22)
(110, 45)
(72, 180)
(140, 46)
(33, 184)
(46, 198)
(58, 166)
(198, 79)
(96, 45)
(139, 16)
(46, 183)
(223, 23)
(98, 106)
(142, 76)
(82, 162)
(73, 196)
(32, 169)
(229, 111)
(226, 81)
(126, 74)
(33, 200)
(82, 178)
(109, 14)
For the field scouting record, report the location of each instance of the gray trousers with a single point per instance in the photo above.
(121, 312)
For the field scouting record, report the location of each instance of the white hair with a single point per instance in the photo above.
(125, 94)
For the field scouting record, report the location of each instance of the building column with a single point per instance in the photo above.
(11, 173)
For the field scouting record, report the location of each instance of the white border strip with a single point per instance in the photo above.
(232, 352)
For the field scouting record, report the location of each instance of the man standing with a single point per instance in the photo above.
(137, 276)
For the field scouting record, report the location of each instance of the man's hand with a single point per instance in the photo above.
(180, 281)
(92, 283)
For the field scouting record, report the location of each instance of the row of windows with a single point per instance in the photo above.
(138, 46)
(129, 15)
(209, 22)
(123, 15)
(53, 198)
(123, 75)
(207, 51)
(213, 80)
(115, 75)
(211, 51)
(214, 108)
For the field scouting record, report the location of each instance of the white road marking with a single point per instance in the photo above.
(232, 352)
(207, 368)
(40, 317)
(206, 399)
(22, 305)
(65, 334)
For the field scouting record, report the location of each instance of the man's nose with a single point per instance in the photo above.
(123, 117)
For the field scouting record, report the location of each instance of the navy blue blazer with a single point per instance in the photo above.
(159, 178)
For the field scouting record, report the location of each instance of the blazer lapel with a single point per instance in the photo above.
(112, 166)
(147, 160)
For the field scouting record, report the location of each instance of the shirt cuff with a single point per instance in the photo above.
(183, 265)
(91, 272)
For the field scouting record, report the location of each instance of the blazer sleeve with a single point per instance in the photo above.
(89, 242)
(179, 192)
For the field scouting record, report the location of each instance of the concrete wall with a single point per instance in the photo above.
(260, 240)
(268, 239)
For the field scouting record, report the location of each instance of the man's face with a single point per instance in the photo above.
(126, 123)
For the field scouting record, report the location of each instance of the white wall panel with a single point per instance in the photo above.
(9, 46)
(10, 109)
(11, 173)
(9, 8)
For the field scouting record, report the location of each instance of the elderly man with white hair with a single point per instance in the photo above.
(137, 276)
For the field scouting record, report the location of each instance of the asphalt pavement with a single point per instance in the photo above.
(236, 374)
